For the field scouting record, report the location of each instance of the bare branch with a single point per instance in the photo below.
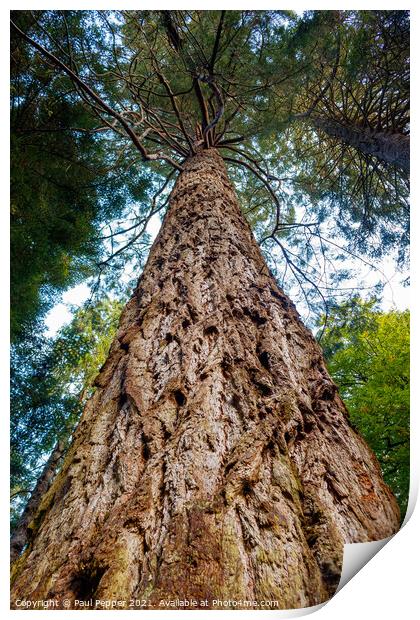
(216, 42)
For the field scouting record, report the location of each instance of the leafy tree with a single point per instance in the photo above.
(40, 414)
(368, 356)
(358, 88)
(345, 118)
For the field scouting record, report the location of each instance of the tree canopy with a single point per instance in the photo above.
(136, 92)
(65, 185)
(361, 81)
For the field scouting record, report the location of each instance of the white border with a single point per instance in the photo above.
(387, 586)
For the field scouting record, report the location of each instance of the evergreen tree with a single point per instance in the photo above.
(65, 183)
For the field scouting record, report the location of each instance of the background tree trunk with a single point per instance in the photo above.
(215, 459)
(390, 147)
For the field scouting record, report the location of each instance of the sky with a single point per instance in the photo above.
(61, 313)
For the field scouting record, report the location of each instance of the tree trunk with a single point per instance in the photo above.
(392, 148)
(215, 460)
(20, 535)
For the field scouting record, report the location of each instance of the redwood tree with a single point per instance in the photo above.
(215, 459)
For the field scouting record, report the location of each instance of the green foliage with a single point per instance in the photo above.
(51, 380)
(65, 182)
(368, 356)
(81, 347)
(247, 83)
(358, 77)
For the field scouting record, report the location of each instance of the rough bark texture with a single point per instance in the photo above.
(215, 460)
(19, 537)
(392, 148)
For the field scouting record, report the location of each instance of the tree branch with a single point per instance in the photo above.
(216, 42)
(97, 99)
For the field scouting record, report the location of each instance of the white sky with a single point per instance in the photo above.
(61, 314)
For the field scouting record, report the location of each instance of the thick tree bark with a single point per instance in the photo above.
(392, 148)
(215, 460)
(19, 537)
